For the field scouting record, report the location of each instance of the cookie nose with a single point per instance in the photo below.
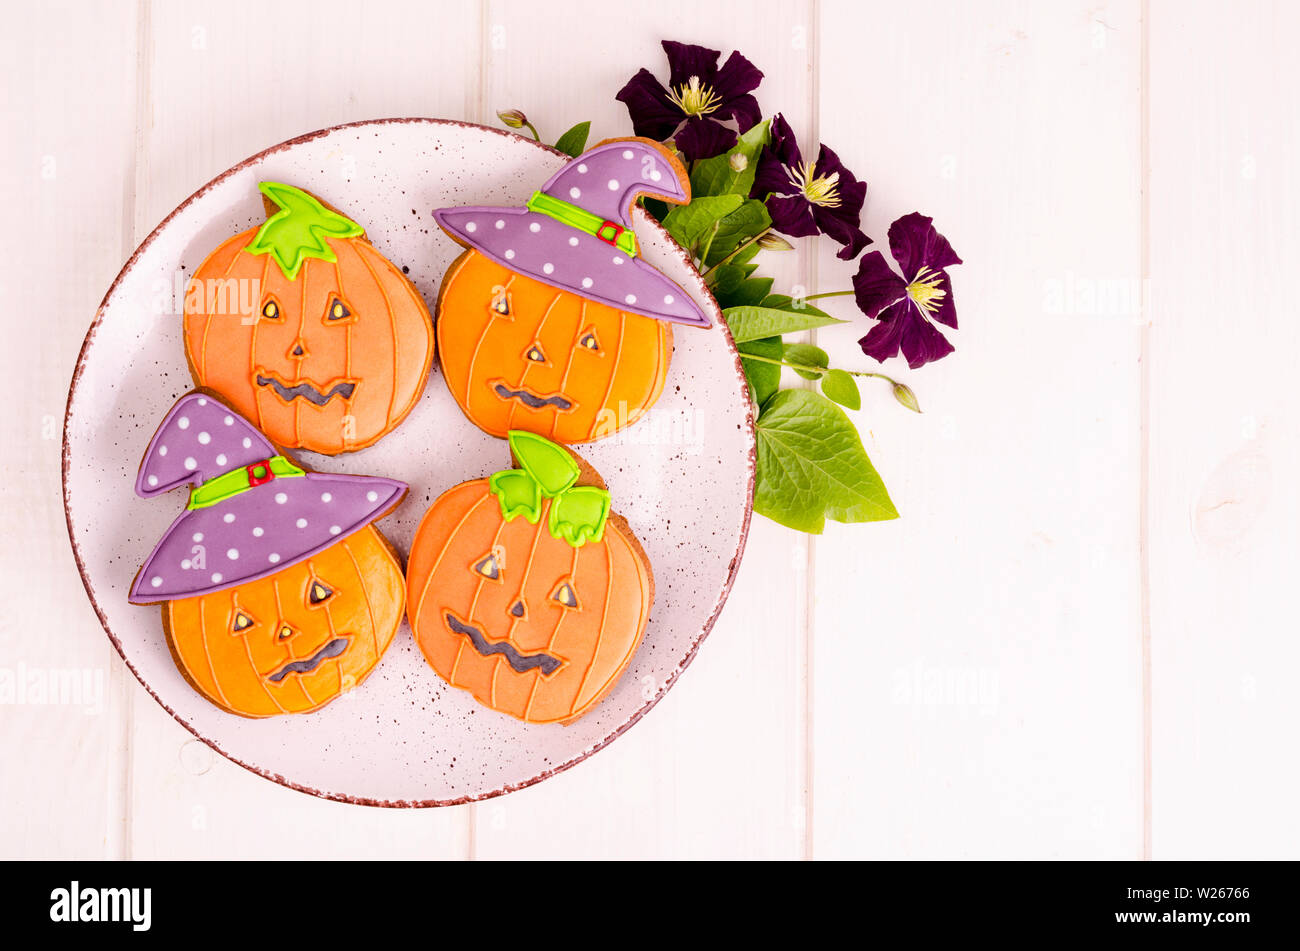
(518, 610)
(298, 350)
(285, 632)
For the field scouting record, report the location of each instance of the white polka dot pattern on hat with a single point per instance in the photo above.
(183, 422)
(251, 530)
(575, 193)
(534, 227)
(471, 227)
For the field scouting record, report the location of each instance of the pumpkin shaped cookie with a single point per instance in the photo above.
(552, 321)
(277, 593)
(307, 330)
(524, 589)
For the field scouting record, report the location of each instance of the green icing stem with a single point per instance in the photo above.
(234, 482)
(299, 229)
(578, 512)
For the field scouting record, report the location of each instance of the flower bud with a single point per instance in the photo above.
(513, 118)
(738, 162)
(903, 393)
(771, 241)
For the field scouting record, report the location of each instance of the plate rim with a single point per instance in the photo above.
(66, 465)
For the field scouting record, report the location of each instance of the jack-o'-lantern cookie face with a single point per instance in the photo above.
(307, 330)
(553, 322)
(278, 595)
(525, 590)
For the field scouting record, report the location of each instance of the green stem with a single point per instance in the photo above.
(740, 247)
(808, 368)
(532, 130)
(827, 294)
(704, 255)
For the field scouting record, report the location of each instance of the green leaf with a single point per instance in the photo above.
(754, 323)
(716, 176)
(842, 388)
(746, 256)
(811, 466)
(808, 355)
(745, 222)
(724, 281)
(764, 378)
(745, 292)
(794, 306)
(688, 223)
(575, 140)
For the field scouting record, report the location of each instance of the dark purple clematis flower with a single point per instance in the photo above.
(699, 94)
(906, 305)
(807, 199)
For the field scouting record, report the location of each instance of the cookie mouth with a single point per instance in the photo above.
(519, 662)
(308, 664)
(529, 398)
(306, 390)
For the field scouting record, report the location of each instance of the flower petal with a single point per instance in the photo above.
(791, 215)
(744, 109)
(883, 340)
(876, 287)
(686, 60)
(947, 312)
(781, 142)
(737, 77)
(703, 138)
(915, 244)
(921, 342)
(653, 114)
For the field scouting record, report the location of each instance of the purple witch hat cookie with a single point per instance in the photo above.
(575, 233)
(552, 321)
(278, 593)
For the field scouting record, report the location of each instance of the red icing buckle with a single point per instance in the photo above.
(254, 478)
(618, 230)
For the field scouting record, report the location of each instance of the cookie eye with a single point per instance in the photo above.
(271, 309)
(565, 595)
(337, 310)
(588, 341)
(242, 622)
(535, 354)
(318, 593)
(490, 565)
(501, 303)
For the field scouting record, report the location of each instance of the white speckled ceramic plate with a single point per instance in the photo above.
(681, 476)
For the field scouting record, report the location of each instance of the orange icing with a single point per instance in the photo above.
(384, 347)
(542, 346)
(234, 668)
(591, 627)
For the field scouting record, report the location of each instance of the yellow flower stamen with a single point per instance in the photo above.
(823, 190)
(925, 290)
(695, 99)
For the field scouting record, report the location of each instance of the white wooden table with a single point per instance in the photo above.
(1079, 639)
